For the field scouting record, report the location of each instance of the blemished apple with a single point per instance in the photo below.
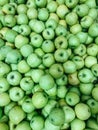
(48, 64)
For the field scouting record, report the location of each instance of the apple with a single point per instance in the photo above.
(4, 99)
(51, 23)
(82, 108)
(46, 81)
(90, 61)
(16, 94)
(63, 80)
(4, 85)
(86, 88)
(69, 67)
(71, 18)
(95, 93)
(25, 30)
(93, 32)
(33, 60)
(61, 42)
(49, 125)
(39, 99)
(21, 8)
(56, 116)
(69, 114)
(48, 46)
(27, 105)
(61, 30)
(85, 75)
(26, 50)
(73, 78)
(43, 14)
(14, 78)
(4, 126)
(61, 91)
(93, 104)
(72, 98)
(23, 67)
(52, 6)
(18, 113)
(48, 107)
(41, 3)
(92, 123)
(31, 4)
(13, 57)
(24, 125)
(78, 124)
(36, 75)
(71, 4)
(22, 19)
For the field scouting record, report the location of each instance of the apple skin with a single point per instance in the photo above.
(18, 113)
(39, 99)
(24, 125)
(82, 108)
(4, 126)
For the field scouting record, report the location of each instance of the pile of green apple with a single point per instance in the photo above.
(48, 65)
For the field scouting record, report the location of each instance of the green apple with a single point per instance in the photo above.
(93, 104)
(71, 4)
(85, 75)
(94, 69)
(61, 42)
(80, 50)
(41, 3)
(18, 113)
(61, 30)
(32, 13)
(48, 107)
(27, 105)
(63, 80)
(48, 59)
(4, 85)
(4, 126)
(73, 78)
(16, 94)
(78, 124)
(43, 14)
(4, 69)
(72, 98)
(33, 60)
(8, 107)
(86, 88)
(26, 50)
(61, 55)
(90, 61)
(4, 99)
(25, 30)
(71, 18)
(93, 30)
(69, 114)
(26, 83)
(92, 49)
(56, 70)
(22, 9)
(52, 6)
(48, 46)
(23, 67)
(52, 23)
(36, 40)
(36, 74)
(14, 78)
(49, 125)
(62, 10)
(24, 125)
(13, 57)
(22, 19)
(79, 61)
(61, 91)
(92, 123)
(82, 108)
(95, 93)
(39, 99)
(69, 67)
(82, 10)
(56, 116)
(46, 81)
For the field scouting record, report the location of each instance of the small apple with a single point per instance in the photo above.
(82, 108)
(4, 99)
